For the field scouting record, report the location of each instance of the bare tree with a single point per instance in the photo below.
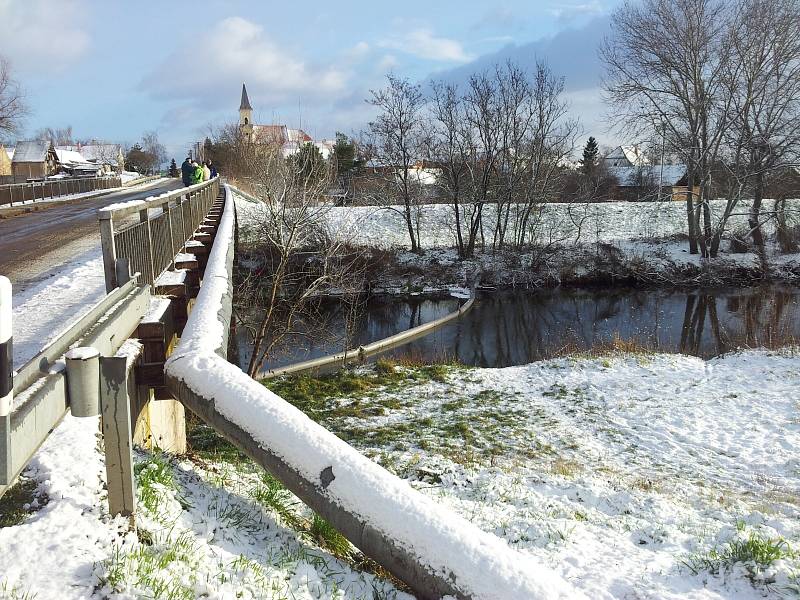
(12, 101)
(298, 257)
(764, 84)
(544, 150)
(396, 141)
(60, 136)
(665, 64)
(450, 150)
(154, 149)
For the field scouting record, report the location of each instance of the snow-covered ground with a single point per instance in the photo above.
(633, 476)
(563, 223)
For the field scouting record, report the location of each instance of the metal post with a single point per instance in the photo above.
(168, 212)
(109, 250)
(143, 218)
(116, 408)
(83, 381)
(6, 380)
(6, 354)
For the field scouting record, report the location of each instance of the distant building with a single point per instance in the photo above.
(638, 179)
(626, 156)
(73, 163)
(34, 159)
(289, 140)
(109, 157)
(6, 154)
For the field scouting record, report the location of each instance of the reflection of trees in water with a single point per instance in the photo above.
(758, 317)
(519, 327)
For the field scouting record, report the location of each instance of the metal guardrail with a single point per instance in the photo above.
(53, 188)
(40, 388)
(166, 223)
(359, 355)
(435, 552)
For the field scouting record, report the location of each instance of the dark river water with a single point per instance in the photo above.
(518, 327)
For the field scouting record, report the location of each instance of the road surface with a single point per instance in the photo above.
(34, 246)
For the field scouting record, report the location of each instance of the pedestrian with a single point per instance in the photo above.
(206, 171)
(186, 172)
(197, 173)
(213, 169)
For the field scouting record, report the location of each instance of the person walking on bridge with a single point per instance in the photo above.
(197, 173)
(213, 169)
(206, 171)
(186, 172)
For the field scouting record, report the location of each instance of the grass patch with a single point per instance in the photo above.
(19, 502)
(154, 567)
(756, 552)
(153, 478)
(316, 396)
(14, 592)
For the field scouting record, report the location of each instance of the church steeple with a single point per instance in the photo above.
(245, 104)
(246, 115)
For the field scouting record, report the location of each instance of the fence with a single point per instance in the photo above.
(39, 190)
(165, 224)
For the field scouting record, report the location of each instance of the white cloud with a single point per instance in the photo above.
(238, 50)
(40, 37)
(423, 44)
(566, 13)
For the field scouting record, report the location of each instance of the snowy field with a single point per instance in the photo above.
(633, 476)
(563, 223)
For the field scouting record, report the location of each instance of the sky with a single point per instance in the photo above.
(113, 70)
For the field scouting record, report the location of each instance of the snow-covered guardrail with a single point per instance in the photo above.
(433, 550)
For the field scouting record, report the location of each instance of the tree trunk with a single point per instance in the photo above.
(755, 212)
(690, 209)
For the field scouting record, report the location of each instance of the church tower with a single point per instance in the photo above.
(246, 116)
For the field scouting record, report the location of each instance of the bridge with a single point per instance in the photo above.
(158, 342)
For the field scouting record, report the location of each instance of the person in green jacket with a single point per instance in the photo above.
(197, 173)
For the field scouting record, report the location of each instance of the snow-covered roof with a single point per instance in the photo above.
(106, 154)
(633, 155)
(670, 175)
(31, 151)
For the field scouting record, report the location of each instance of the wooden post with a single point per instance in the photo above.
(109, 251)
(116, 411)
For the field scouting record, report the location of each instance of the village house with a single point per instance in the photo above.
(638, 179)
(34, 159)
(6, 154)
(109, 157)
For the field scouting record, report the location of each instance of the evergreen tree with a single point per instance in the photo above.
(345, 152)
(589, 160)
(173, 169)
(309, 163)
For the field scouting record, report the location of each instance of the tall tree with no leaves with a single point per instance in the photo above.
(665, 63)
(12, 102)
(764, 79)
(396, 138)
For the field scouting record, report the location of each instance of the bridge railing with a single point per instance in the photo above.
(149, 245)
(52, 188)
(433, 550)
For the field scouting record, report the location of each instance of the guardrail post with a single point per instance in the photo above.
(143, 219)
(83, 381)
(116, 410)
(6, 380)
(109, 250)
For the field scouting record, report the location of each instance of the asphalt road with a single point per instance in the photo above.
(34, 245)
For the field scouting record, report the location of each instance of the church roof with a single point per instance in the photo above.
(245, 104)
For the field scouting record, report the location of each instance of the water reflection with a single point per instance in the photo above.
(512, 328)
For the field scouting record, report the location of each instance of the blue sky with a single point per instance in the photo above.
(113, 70)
